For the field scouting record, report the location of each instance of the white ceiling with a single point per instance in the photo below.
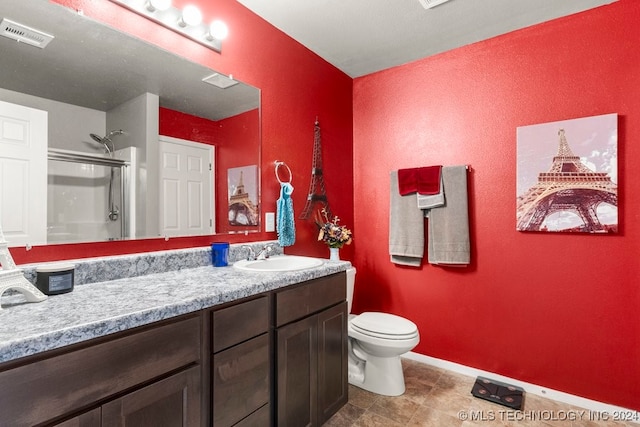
(364, 36)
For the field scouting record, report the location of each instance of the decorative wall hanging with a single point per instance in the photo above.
(567, 176)
(317, 192)
(243, 196)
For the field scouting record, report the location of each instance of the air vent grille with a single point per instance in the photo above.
(218, 80)
(24, 34)
(428, 4)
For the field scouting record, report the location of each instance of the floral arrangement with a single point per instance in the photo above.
(334, 235)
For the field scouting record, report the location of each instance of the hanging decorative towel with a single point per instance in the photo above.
(286, 226)
(424, 180)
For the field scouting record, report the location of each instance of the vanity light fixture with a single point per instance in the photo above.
(187, 21)
(217, 30)
(153, 5)
(191, 16)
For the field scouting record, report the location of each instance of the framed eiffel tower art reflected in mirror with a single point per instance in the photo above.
(244, 210)
(567, 176)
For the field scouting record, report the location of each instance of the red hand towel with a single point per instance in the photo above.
(425, 180)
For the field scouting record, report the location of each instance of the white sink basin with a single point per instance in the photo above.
(279, 263)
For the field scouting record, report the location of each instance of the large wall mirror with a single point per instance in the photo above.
(123, 148)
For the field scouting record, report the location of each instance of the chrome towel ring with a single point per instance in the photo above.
(283, 164)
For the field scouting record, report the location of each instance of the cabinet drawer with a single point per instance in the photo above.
(240, 381)
(313, 296)
(240, 322)
(36, 392)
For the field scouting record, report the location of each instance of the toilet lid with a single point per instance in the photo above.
(384, 325)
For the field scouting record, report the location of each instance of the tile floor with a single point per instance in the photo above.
(441, 398)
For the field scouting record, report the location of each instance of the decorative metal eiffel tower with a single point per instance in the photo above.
(11, 277)
(568, 186)
(317, 192)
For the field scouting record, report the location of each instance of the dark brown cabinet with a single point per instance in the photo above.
(88, 419)
(275, 359)
(171, 402)
(311, 352)
(53, 387)
(298, 373)
(332, 361)
(241, 364)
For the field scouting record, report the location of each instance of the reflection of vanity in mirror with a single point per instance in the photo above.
(106, 137)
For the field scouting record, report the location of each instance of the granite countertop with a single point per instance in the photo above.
(98, 309)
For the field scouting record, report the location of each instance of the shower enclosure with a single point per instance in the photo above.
(88, 196)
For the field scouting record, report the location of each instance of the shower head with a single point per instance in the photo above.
(96, 138)
(102, 140)
(106, 140)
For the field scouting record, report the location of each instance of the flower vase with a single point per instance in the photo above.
(334, 254)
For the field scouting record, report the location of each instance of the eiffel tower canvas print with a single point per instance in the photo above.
(243, 196)
(567, 176)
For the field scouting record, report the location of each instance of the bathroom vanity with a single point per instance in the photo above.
(196, 347)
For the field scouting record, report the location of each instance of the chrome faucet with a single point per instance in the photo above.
(251, 254)
(265, 252)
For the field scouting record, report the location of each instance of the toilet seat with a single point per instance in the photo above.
(384, 325)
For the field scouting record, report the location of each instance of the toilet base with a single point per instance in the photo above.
(382, 375)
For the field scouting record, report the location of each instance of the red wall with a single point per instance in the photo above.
(558, 310)
(296, 87)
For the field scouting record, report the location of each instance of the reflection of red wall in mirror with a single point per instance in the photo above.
(236, 139)
(239, 139)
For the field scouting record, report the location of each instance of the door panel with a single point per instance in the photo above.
(332, 361)
(172, 402)
(23, 174)
(186, 188)
(297, 373)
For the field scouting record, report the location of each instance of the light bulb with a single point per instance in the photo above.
(218, 30)
(153, 5)
(190, 16)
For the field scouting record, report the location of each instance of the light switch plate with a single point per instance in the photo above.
(269, 221)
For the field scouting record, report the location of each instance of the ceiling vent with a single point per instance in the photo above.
(428, 4)
(220, 81)
(24, 34)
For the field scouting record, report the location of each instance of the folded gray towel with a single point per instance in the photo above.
(448, 241)
(427, 202)
(406, 227)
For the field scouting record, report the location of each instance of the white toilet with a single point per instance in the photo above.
(376, 342)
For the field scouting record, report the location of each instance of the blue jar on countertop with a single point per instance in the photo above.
(220, 254)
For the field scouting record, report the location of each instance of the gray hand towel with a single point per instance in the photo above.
(431, 201)
(448, 241)
(406, 227)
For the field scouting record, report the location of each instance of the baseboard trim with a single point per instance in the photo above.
(559, 396)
